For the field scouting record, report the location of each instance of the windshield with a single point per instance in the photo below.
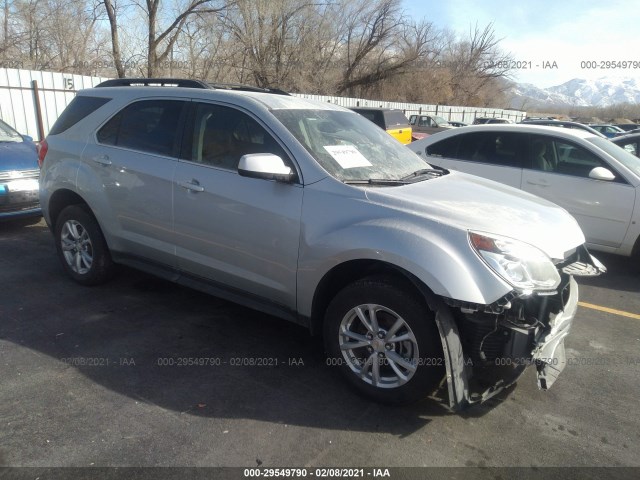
(619, 153)
(8, 134)
(441, 121)
(349, 147)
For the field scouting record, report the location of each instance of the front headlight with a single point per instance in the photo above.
(520, 264)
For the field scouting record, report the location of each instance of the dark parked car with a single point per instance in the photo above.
(483, 120)
(627, 127)
(565, 124)
(428, 124)
(19, 175)
(629, 142)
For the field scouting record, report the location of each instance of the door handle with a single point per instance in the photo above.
(193, 186)
(102, 159)
(540, 183)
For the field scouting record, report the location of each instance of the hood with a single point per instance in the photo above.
(18, 156)
(468, 202)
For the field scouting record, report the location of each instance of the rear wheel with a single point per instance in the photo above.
(81, 246)
(384, 340)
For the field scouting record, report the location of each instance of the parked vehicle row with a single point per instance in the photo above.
(418, 126)
(565, 124)
(608, 131)
(630, 142)
(591, 177)
(419, 278)
(391, 120)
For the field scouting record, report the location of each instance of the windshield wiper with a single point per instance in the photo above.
(432, 172)
(377, 181)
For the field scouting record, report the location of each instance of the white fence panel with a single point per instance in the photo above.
(454, 113)
(55, 90)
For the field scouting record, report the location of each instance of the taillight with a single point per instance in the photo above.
(42, 151)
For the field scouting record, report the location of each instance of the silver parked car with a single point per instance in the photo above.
(419, 279)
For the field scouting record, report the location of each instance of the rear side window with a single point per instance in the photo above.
(78, 109)
(506, 149)
(447, 148)
(395, 118)
(372, 115)
(424, 122)
(151, 126)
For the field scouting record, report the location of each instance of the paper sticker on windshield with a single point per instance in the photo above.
(347, 156)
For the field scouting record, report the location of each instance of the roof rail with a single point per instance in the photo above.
(246, 88)
(153, 82)
(182, 82)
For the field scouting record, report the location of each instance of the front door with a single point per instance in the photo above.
(236, 232)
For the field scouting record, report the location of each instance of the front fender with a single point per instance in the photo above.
(439, 255)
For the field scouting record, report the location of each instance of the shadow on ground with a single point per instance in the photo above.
(623, 273)
(139, 334)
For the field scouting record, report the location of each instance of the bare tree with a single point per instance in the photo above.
(475, 63)
(354, 47)
(42, 36)
(160, 40)
(160, 44)
(380, 44)
(269, 34)
(112, 14)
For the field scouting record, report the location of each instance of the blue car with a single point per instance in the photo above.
(609, 131)
(19, 174)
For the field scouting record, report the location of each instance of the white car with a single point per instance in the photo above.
(591, 177)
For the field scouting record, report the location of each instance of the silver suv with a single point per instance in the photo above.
(421, 281)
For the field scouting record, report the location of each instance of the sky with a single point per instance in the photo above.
(580, 36)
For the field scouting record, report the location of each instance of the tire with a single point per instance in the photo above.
(81, 246)
(405, 343)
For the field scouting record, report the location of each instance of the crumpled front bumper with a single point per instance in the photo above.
(549, 354)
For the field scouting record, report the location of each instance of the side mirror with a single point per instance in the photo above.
(266, 166)
(27, 138)
(601, 173)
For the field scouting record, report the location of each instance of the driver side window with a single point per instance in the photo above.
(557, 156)
(222, 135)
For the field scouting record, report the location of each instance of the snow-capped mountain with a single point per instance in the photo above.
(602, 92)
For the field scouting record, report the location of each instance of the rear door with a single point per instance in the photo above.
(494, 155)
(237, 233)
(558, 170)
(133, 158)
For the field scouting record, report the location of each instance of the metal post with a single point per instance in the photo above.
(38, 110)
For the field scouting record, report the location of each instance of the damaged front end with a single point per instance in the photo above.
(488, 347)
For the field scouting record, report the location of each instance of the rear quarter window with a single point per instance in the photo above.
(505, 149)
(150, 126)
(79, 108)
(395, 118)
(447, 148)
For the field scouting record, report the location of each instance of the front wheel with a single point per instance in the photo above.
(81, 246)
(384, 340)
